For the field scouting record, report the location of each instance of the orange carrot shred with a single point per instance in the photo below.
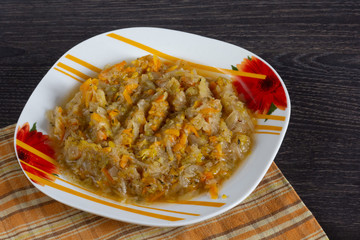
(107, 175)
(172, 131)
(213, 191)
(208, 110)
(192, 129)
(123, 161)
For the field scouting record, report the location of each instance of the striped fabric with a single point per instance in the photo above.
(272, 211)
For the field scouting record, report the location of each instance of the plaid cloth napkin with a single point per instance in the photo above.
(272, 211)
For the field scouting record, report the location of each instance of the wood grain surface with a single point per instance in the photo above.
(314, 46)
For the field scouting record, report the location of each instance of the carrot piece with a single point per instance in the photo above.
(129, 69)
(129, 90)
(172, 68)
(120, 66)
(160, 98)
(208, 132)
(172, 131)
(124, 160)
(127, 97)
(107, 175)
(87, 90)
(218, 148)
(213, 139)
(177, 147)
(154, 127)
(208, 110)
(208, 175)
(183, 138)
(101, 135)
(182, 142)
(96, 117)
(214, 191)
(131, 87)
(213, 86)
(192, 129)
(150, 91)
(128, 132)
(156, 196)
(113, 113)
(91, 82)
(157, 63)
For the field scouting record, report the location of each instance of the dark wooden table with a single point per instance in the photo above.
(315, 47)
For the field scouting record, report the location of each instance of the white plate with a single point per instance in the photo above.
(111, 48)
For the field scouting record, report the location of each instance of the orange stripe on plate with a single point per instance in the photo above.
(172, 58)
(83, 63)
(200, 203)
(40, 170)
(73, 70)
(268, 127)
(35, 151)
(82, 195)
(273, 117)
(273, 133)
(165, 210)
(68, 74)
